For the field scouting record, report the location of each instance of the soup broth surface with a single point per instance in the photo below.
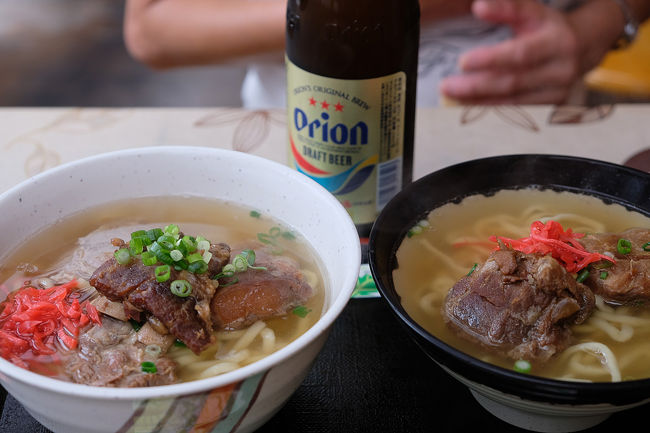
(69, 247)
(457, 237)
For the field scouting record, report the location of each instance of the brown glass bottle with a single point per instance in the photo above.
(351, 78)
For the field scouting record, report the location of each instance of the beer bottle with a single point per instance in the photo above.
(351, 81)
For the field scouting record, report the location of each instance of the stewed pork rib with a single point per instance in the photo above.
(135, 285)
(628, 280)
(521, 305)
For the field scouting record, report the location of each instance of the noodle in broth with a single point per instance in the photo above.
(612, 345)
(75, 239)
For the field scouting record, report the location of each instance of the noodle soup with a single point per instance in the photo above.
(613, 344)
(73, 248)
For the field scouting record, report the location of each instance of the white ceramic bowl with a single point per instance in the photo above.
(252, 394)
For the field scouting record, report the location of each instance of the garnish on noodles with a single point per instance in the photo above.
(551, 238)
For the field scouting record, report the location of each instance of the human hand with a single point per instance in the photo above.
(538, 65)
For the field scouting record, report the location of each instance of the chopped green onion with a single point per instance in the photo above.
(603, 275)
(288, 235)
(148, 367)
(646, 246)
(624, 246)
(142, 236)
(136, 325)
(203, 245)
(582, 276)
(176, 255)
(240, 263)
(603, 264)
(179, 343)
(194, 257)
(167, 242)
(255, 214)
(249, 255)
(187, 245)
(182, 265)
(149, 258)
(163, 273)
(122, 256)
(471, 271)
(153, 350)
(154, 234)
(301, 311)
(164, 257)
(522, 366)
(138, 234)
(198, 267)
(418, 228)
(271, 238)
(136, 246)
(172, 230)
(181, 288)
(207, 256)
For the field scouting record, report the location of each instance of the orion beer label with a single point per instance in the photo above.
(348, 135)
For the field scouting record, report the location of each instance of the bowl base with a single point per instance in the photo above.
(537, 421)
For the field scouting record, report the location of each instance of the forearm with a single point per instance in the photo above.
(598, 24)
(167, 33)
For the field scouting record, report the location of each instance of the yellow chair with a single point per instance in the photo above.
(625, 72)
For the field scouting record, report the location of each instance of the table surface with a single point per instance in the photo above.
(370, 375)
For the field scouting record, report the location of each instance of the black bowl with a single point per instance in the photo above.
(609, 182)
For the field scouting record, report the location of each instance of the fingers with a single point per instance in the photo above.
(524, 51)
(552, 81)
(546, 95)
(515, 13)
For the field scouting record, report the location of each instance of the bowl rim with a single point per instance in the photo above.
(509, 381)
(322, 325)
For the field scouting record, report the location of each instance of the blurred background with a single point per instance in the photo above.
(71, 53)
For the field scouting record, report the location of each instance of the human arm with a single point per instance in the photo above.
(168, 33)
(549, 53)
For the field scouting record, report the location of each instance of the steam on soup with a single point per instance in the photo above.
(529, 311)
(156, 291)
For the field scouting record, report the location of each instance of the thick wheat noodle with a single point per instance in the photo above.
(574, 379)
(268, 340)
(600, 350)
(623, 334)
(249, 335)
(234, 356)
(199, 366)
(601, 305)
(430, 303)
(578, 367)
(445, 259)
(230, 335)
(619, 317)
(508, 226)
(310, 277)
(220, 368)
(586, 224)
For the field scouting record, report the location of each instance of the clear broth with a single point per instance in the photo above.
(85, 238)
(432, 261)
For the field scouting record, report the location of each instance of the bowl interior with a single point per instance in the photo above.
(243, 179)
(609, 182)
